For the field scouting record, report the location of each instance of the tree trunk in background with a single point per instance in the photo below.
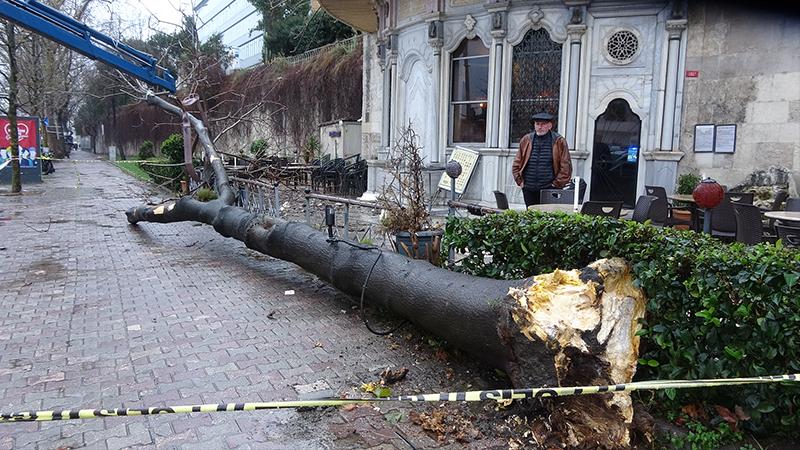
(560, 329)
(11, 46)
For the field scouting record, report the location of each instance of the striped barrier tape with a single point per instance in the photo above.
(464, 396)
(84, 160)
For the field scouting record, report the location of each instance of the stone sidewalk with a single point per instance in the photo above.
(98, 313)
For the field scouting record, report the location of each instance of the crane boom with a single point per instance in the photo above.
(65, 30)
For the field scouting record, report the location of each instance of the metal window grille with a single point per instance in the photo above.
(536, 80)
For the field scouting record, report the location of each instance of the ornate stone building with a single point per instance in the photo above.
(628, 81)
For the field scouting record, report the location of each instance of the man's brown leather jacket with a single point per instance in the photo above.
(562, 164)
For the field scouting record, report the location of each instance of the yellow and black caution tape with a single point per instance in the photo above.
(87, 160)
(465, 396)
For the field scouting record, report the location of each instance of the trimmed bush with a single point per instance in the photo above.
(715, 310)
(160, 174)
(172, 148)
(146, 150)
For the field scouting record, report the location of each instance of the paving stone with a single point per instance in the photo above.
(100, 313)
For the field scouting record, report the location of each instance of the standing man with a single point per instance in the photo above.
(542, 161)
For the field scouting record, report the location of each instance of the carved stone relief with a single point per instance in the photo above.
(554, 21)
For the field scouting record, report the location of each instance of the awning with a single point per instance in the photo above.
(359, 14)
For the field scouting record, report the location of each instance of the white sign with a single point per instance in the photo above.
(468, 159)
(703, 138)
(725, 139)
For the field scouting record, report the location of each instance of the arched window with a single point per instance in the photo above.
(535, 80)
(469, 83)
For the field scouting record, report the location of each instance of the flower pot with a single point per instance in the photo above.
(427, 248)
(683, 215)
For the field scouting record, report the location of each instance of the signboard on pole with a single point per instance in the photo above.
(29, 149)
(28, 131)
(468, 160)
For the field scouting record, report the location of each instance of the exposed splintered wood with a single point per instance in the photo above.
(566, 328)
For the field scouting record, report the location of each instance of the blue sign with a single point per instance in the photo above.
(633, 154)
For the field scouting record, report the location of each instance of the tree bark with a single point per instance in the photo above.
(561, 329)
(13, 141)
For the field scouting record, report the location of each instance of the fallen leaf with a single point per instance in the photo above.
(740, 413)
(694, 410)
(349, 407)
(727, 416)
(389, 376)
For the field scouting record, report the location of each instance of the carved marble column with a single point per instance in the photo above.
(435, 39)
(499, 18)
(575, 33)
(675, 30)
(390, 93)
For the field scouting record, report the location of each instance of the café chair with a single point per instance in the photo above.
(560, 196)
(501, 200)
(723, 219)
(749, 227)
(605, 208)
(792, 204)
(643, 207)
(789, 235)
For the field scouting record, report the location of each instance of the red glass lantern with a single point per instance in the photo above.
(708, 194)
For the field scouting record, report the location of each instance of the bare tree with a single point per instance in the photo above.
(11, 48)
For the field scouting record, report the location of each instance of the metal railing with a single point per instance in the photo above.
(347, 202)
(348, 44)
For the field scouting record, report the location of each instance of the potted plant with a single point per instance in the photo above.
(686, 184)
(405, 211)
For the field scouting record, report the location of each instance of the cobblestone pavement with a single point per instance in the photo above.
(99, 313)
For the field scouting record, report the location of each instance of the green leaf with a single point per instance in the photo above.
(671, 393)
(734, 352)
(791, 278)
(382, 392)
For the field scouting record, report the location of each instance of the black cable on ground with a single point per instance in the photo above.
(364, 288)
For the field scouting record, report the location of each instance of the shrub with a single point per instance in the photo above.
(160, 173)
(715, 310)
(172, 148)
(259, 148)
(686, 183)
(146, 150)
(205, 195)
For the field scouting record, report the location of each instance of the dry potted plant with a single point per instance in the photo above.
(405, 211)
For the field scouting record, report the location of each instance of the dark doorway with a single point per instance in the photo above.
(615, 156)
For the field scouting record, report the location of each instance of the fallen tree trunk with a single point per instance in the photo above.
(561, 329)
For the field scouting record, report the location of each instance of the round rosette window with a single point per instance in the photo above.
(622, 46)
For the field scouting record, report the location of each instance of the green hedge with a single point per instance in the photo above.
(715, 310)
(161, 174)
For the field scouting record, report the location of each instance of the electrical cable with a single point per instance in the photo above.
(364, 288)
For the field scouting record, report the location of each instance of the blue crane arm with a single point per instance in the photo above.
(67, 31)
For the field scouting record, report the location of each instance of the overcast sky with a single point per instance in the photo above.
(140, 17)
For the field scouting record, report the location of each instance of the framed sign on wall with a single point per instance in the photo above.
(725, 138)
(703, 138)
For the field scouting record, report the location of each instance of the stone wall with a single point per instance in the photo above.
(749, 75)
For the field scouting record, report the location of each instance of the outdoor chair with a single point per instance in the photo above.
(780, 197)
(789, 235)
(661, 208)
(606, 209)
(723, 219)
(562, 196)
(501, 199)
(644, 204)
(792, 204)
(749, 227)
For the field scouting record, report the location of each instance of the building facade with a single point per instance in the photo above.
(628, 80)
(236, 20)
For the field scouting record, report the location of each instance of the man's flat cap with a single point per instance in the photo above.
(542, 116)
